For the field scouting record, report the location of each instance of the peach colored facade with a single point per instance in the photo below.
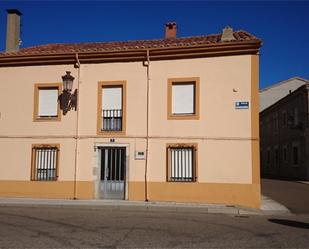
(227, 160)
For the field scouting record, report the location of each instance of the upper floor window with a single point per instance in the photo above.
(46, 107)
(276, 122)
(295, 154)
(183, 98)
(285, 153)
(295, 116)
(276, 150)
(111, 111)
(284, 118)
(268, 156)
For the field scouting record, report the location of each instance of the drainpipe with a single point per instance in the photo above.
(147, 124)
(76, 65)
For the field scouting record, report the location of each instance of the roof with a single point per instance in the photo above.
(275, 92)
(158, 48)
(304, 87)
(56, 48)
(283, 82)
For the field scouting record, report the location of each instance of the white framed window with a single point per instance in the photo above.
(46, 106)
(183, 98)
(111, 107)
(48, 102)
(183, 95)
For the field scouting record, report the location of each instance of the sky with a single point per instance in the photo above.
(283, 26)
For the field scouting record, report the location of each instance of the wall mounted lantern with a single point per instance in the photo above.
(68, 100)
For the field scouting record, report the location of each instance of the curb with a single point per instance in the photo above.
(112, 205)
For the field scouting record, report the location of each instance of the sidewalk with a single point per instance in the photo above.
(268, 207)
(303, 182)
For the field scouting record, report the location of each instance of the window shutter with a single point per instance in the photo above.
(112, 98)
(48, 105)
(183, 99)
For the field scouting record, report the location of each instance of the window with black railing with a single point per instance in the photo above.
(181, 164)
(44, 165)
(112, 120)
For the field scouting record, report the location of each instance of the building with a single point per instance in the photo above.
(284, 133)
(172, 119)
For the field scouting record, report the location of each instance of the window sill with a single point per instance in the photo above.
(183, 117)
(55, 180)
(295, 165)
(111, 133)
(169, 181)
(47, 119)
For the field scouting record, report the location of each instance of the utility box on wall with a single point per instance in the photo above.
(140, 155)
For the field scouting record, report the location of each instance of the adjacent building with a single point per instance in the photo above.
(284, 131)
(172, 119)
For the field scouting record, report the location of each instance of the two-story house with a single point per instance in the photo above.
(172, 119)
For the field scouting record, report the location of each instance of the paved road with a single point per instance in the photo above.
(81, 227)
(293, 195)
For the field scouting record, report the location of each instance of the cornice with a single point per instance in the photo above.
(199, 51)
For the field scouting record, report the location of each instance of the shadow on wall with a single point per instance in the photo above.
(290, 223)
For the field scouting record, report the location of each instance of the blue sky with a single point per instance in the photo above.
(283, 26)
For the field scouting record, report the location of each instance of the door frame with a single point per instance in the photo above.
(97, 167)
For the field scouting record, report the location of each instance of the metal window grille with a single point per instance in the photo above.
(45, 164)
(112, 120)
(182, 164)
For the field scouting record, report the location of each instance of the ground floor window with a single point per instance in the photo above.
(295, 155)
(45, 162)
(268, 156)
(276, 156)
(285, 154)
(181, 163)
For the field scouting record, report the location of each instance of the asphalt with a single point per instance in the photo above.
(95, 227)
(268, 207)
(292, 194)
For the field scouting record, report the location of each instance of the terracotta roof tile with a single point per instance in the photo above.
(58, 48)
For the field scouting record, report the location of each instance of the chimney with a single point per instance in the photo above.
(170, 30)
(13, 30)
(227, 34)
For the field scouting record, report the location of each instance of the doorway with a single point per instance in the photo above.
(112, 173)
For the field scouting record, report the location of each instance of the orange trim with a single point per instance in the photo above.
(192, 192)
(46, 189)
(255, 148)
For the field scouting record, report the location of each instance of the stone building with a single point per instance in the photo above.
(284, 137)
